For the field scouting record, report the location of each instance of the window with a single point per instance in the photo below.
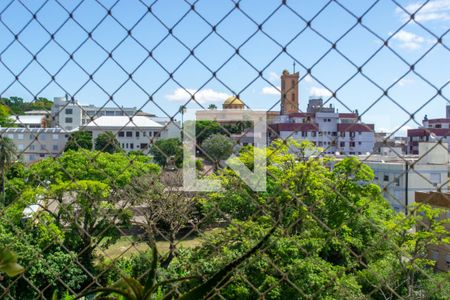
(144, 133)
(313, 133)
(69, 111)
(126, 146)
(20, 136)
(359, 132)
(69, 120)
(110, 113)
(131, 146)
(386, 178)
(32, 147)
(334, 133)
(352, 134)
(42, 136)
(137, 133)
(55, 137)
(32, 136)
(150, 134)
(397, 181)
(20, 147)
(320, 143)
(121, 134)
(304, 133)
(342, 144)
(129, 133)
(32, 157)
(43, 147)
(359, 143)
(342, 133)
(55, 147)
(352, 144)
(42, 155)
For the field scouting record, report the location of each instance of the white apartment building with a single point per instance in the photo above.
(69, 114)
(401, 177)
(34, 144)
(335, 132)
(137, 133)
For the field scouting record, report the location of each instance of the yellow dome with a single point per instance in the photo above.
(233, 100)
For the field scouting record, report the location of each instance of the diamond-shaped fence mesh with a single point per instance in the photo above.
(224, 149)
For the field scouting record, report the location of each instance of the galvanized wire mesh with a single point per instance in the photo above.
(85, 219)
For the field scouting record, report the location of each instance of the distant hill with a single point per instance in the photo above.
(18, 106)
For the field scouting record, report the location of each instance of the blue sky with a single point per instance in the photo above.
(215, 52)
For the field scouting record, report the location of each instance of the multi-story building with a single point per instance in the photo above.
(326, 128)
(135, 134)
(439, 253)
(431, 130)
(69, 114)
(401, 177)
(34, 144)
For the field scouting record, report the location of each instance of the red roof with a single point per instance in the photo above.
(348, 116)
(353, 127)
(428, 131)
(301, 115)
(294, 127)
(434, 121)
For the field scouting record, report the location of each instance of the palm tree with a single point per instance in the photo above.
(8, 155)
(212, 106)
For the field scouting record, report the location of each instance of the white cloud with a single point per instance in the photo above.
(202, 96)
(319, 92)
(405, 81)
(409, 40)
(434, 10)
(273, 76)
(271, 90)
(308, 79)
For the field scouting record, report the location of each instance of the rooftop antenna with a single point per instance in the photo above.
(294, 66)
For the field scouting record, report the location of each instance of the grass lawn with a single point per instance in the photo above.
(124, 247)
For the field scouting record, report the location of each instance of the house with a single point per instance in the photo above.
(132, 133)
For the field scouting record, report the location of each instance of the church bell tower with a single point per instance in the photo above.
(289, 92)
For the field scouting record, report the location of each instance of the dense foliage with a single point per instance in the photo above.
(17, 105)
(332, 234)
(79, 140)
(165, 149)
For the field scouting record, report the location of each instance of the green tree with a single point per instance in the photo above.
(217, 147)
(163, 149)
(8, 155)
(107, 142)
(212, 106)
(79, 140)
(338, 237)
(206, 128)
(5, 117)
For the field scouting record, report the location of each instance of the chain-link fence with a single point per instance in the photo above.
(224, 149)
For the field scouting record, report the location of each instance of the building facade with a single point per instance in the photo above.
(335, 132)
(401, 177)
(69, 114)
(431, 130)
(34, 144)
(136, 133)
